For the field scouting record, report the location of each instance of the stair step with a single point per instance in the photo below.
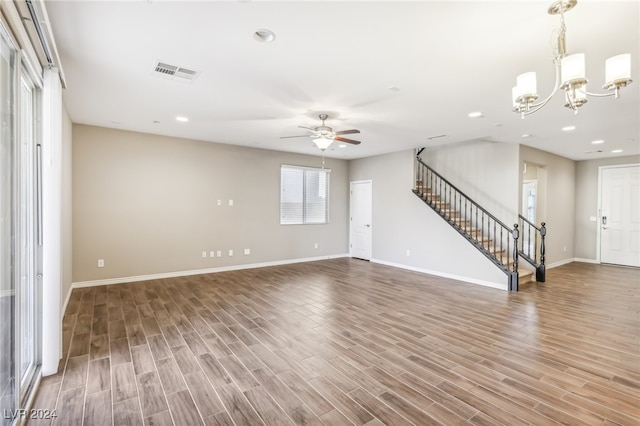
(476, 236)
(525, 276)
(448, 212)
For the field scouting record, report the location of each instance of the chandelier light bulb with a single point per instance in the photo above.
(618, 68)
(573, 69)
(527, 85)
(618, 71)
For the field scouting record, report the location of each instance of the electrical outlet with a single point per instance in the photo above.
(219, 202)
(204, 254)
(315, 245)
(212, 253)
(219, 253)
(408, 252)
(247, 252)
(230, 253)
(230, 203)
(100, 263)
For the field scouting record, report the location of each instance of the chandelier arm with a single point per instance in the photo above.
(534, 107)
(570, 104)
(599, 95)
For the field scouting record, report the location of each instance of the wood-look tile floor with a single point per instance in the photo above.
(344, 341)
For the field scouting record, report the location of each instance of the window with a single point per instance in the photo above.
(304, 195)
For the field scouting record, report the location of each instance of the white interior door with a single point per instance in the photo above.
(620, 215)
(361, 226)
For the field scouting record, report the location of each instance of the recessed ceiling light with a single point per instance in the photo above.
(394, 88)
(568, 128)
(616, 151)
(342, 145)
(599, 141)
(476, 114)
(264, 36)
(525, 135)
(182, 119)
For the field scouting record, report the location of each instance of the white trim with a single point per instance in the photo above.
(123, 280)
(444, 275)
(582, 260)
(599, 218)
(560, 263)
(51, 221)
(314, 169)
(66, 302)
(5, 293)
(351, 183)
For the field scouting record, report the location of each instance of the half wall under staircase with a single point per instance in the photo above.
(498, 242)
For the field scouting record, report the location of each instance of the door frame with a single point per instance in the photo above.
(370, 182)
(599, 217)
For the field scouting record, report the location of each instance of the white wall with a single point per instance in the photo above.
(487, 172)
(401, 222)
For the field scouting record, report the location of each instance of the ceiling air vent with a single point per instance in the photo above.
(173, 72)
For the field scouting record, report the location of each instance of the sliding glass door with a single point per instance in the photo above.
(28, 287)
(7, 284)
(20, 287)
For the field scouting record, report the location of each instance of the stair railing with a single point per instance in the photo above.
(488, 234)
(533, 239)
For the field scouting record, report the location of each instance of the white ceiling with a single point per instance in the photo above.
(444, 58)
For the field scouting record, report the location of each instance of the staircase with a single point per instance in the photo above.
(495, 240)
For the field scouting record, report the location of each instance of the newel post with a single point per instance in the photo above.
(541, 269)
(513, 276)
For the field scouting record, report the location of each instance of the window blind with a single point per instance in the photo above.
(304, 195)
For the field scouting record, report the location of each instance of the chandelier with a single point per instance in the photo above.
(570, 73)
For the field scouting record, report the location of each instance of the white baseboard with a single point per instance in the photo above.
(123, 280)
(491, 284)
(570, 260)
(579, 259)
(66, 302)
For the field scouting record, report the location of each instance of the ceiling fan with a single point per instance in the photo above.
(325, 135)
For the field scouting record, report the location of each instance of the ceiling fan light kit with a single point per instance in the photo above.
(323, 142)
(570, 73)
(324, 135)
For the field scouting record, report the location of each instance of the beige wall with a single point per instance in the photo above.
(586, 231)
(556, 198)
(401, 222)
(147, 205)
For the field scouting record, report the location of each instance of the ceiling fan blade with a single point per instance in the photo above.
(297, 136)
(346, 132)
(308, 128)
(351, 141)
